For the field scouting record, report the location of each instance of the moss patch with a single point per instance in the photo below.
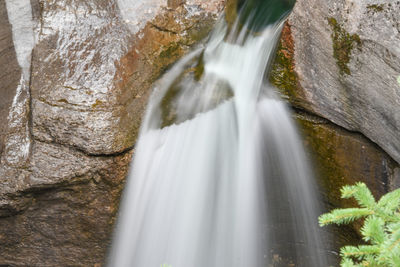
(168, 112)
(231, 11)
(341, 157)
(199, 69)
(282, 73)
(322, 142)
(377, 8)
(171, 52)
(343, 44)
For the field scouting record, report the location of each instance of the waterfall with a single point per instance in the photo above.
(219, 177)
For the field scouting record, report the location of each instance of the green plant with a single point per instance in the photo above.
(381, 227)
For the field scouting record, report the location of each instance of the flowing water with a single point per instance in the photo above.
(219, 177)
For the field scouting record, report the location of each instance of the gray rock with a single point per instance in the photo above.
(347, 63)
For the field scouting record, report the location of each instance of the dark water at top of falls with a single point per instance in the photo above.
(258, 14)
(220, 177)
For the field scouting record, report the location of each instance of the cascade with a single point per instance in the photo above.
(219, 177)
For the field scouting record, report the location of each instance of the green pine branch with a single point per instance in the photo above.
(344, 216)
(361, 193)
(381, 227)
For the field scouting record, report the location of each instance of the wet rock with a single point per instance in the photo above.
(93, 81)
(75, 77)
(340, 158)
(344, 66)
(68, 223)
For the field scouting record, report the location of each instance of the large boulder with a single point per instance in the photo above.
(75, 77)
(337, 61)
(338, 65)
(346, 66)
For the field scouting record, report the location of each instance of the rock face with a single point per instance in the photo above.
(74, 78)
(342, 157)
(338, 64)
(347, 64)
(337, 61)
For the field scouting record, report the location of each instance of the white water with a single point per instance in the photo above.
(227, 187)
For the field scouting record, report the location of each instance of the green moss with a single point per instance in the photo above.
(199, 31)
(168, 112)
(377, 8)
(282, 74)
(343, 44)
(168, 55)
(171, 52)
(199, 69)
(231, 11)
(322, 144)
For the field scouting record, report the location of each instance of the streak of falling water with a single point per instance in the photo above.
(219, 177)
